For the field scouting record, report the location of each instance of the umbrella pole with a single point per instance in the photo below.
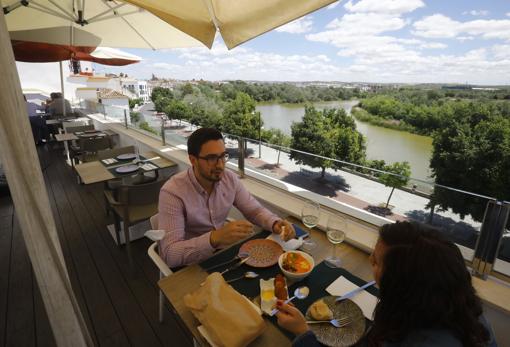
(32, 206)
(62, 89)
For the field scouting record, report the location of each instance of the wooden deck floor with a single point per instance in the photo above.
(120, 305)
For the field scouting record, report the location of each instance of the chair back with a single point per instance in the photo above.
(95, 144)
(74, 127)
(140, 194)
(154, 222)
(112, 153)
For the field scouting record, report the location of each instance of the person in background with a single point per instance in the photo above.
(426, 297)
(37, 123)
(56, 107)
(194, 205)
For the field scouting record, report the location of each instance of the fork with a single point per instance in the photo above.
(337, 323)
(240, 256)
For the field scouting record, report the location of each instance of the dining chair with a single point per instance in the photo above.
(132, 204)
(164, 271)
(89, 147)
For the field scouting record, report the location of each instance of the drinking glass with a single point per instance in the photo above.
(310, 218)
(335, 230)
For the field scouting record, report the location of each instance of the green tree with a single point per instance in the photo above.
(312, 135)
(162, 102)
(472, 154)
(161, 92)
(240, 118)
(401, 173)
(177, 109)
(135, 117)
(133, 102)
(278, 138)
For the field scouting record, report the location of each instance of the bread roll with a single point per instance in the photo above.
(320, 311)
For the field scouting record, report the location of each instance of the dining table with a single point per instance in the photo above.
(355, 267)
(101, 171)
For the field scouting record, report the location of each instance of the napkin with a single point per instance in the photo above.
(287, 246)
(109, 161)
(364, 299)
(149, 167)
(230, 320)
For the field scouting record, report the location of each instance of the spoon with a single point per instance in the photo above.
(248, 274)
(300, 293)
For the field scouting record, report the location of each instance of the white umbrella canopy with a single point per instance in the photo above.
(144, 23)
(118, 24)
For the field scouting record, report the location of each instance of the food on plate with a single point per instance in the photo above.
(320, 311)
(295, 262)
(280, 287)
(267, 295)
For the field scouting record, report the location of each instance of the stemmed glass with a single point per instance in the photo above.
(310, 218)
(335, 230)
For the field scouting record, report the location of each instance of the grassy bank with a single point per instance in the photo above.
(363, 116)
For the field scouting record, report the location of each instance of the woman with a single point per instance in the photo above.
(426, 295)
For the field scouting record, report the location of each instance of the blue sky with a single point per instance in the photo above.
(410, 41)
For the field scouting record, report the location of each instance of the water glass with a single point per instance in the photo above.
(310, 218)
(335, 231)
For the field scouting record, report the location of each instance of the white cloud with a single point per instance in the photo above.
(299, 26)
(433, 45)
(501, 51)
(362, 24)
(508, 14)
(333, 5)
(384, 6)
(440, 26)
(477, 13)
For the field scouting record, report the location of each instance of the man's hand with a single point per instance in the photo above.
(291, 319)
(285, 229)
(231, 233)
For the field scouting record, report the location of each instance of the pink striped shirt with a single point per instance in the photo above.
(189, 214)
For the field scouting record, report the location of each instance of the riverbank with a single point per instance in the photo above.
(363, 116)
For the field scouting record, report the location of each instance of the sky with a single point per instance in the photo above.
(380, 41)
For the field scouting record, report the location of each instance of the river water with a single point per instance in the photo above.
(382, 143)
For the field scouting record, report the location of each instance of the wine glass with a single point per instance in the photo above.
(310, 218)
(335, 230)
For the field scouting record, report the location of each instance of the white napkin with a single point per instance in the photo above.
(364, 299)
(149, 167)
(109, 161)
(290, 245)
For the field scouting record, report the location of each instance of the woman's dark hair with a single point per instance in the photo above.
(424, 285)
(201, 136)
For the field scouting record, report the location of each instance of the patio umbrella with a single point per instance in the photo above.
(144, 23)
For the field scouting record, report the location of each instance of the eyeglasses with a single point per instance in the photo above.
(212, 159)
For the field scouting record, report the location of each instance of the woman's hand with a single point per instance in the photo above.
(291, 319)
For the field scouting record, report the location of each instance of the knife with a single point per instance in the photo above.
(235, 266)
(350, 294)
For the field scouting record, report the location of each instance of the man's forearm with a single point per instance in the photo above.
(185, 252)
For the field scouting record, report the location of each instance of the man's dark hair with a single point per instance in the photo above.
(424, 285)
(201, 136)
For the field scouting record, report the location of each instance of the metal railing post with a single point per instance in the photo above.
(163, 120)
(241, 147)
(489, 240)
(125, 118)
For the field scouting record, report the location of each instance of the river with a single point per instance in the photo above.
(382, 143)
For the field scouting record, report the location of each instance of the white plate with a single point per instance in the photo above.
(126, 169)
(126, 156)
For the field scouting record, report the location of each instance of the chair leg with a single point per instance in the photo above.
(161, 302)
(117, 228)
(125, 227)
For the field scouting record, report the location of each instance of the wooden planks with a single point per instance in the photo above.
(120, 307)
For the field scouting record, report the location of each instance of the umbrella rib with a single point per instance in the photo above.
(60, 8)
(49, 11)
(93, 19)
(210, 8)
(114, 16)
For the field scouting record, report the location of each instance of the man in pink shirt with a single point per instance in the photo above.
(194, 204)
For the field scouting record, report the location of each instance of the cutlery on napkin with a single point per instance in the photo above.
(235, 266)
(366, 301)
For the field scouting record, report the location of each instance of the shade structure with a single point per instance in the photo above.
(144, 23)
(37, 52)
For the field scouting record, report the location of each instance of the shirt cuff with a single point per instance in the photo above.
(271, 222)
(204, 242)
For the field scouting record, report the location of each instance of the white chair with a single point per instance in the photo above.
(164, 271)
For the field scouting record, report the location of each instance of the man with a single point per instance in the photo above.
(56, 107)
(194, 204)
(37, 123)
